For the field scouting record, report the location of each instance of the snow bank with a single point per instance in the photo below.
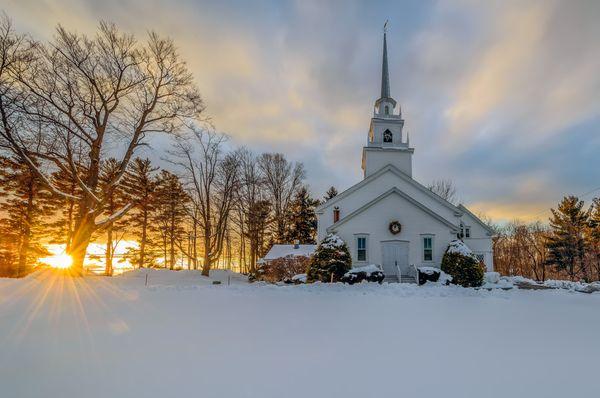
(367, 269)
(491, 277)
(429, 270)
(102, 337)
(300, 278)
(164, 277)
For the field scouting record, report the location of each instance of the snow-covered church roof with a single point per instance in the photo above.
(282, 251)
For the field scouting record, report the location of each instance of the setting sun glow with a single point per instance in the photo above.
(61, 260)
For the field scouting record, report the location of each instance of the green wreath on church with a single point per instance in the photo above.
(395, 227)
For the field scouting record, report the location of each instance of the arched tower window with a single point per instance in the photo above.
(387, 136)
(387, 110)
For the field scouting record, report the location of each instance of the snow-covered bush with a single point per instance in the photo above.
(428, 274)
(369, 273)
(330, 261)
(491, 277)
(296, 279)
(461, 264)
(281, 269)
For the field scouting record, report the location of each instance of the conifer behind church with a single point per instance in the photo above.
(303, 219)
(566, 241)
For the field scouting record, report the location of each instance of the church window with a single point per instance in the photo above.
(465, 232)
(428, 248)
(387, 110)
(336, 214)
(361, 248)
(387, 136)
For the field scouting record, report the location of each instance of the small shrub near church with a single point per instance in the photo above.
(462, 265)
(369, 273)
(281, 269)
(330, 261)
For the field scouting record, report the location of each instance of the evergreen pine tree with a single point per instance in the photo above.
(593, 237)
(303, 220)
(22, 202)
(140, 187)
(171, 201)
(331, 193)
(114, 201)
(330, 261)
(594, 222)
(257, 222)
(566, 244)
(60, 226)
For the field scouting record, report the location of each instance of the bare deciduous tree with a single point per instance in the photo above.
(253, 208)
(282, 180)
(444, 189)
(519, 249)
(213, 181)
(77, 93)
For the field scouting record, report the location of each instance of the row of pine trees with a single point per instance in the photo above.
(163, 217)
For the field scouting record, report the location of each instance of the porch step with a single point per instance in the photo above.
(403, 279)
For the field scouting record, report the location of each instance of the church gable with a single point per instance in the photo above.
(371, 187)
(387, 206)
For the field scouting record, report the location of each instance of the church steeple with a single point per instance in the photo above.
(385, 75)
(385, 105)
(385, 141)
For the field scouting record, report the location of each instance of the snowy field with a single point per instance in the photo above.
(181, 336)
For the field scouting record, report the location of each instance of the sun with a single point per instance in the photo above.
(61, 261)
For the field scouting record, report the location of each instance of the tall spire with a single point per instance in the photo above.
(385, 76)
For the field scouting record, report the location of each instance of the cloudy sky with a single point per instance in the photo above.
(501, 97)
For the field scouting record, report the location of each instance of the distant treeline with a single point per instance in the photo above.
(567, 247)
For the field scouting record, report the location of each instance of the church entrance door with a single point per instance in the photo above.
(395, 258)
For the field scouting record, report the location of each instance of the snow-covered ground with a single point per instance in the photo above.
(181, 336)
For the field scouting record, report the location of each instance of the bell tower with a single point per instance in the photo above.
(385, 142)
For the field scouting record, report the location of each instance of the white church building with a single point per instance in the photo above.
(390, 219)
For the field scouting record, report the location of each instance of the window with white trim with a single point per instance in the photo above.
(467, 232)
(361, 248)
(428, 248)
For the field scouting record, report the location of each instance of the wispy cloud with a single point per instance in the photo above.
(502, 97)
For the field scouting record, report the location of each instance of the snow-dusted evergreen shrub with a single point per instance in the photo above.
(369, 273)
(461, 264)
(428, 274)
(330, 261)
(281, 269)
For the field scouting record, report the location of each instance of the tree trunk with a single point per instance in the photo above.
(24, 249)
(108, 270)
(71, 207)
(143, 240)
(207, 260)
(81, 239)
(195, 245)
